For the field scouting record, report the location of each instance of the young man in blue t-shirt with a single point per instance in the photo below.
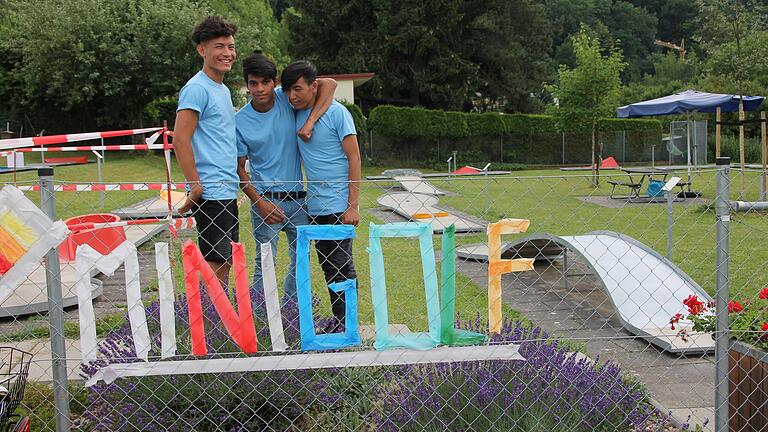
(331, 160)
(205, 147)
(266, 138)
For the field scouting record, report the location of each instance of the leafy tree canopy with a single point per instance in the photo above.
(70, 70)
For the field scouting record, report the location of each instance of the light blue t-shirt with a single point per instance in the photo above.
(213, 142)
(269, 141)
(325, 162)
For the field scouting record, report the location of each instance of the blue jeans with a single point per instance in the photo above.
(296, 214)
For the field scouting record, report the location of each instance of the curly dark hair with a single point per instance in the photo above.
(212, 27)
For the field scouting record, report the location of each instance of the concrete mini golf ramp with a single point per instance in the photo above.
(420, 207)
(31, 297)
(415, 184)
(538, 249)
(644, 287)
(156, 207)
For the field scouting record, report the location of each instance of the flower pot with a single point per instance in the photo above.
(104, 240)
(748, 388)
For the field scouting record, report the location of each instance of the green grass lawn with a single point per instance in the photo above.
(551, 201)
(548, 198)
(405, 286)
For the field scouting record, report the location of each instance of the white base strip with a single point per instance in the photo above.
(307, 361)
(271, 298)
(167, 300)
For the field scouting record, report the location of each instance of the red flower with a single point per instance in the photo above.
(764, 294)
(765, 327)
(674, 320)
(734, 306)
(695, 306)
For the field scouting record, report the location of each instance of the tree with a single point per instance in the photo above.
(433, 53)
(510, 41)
(589, 91)
(616, 23)
(670, 76)
(78, 71)
(321, 31)
(729, 23)
(678, 19)
(726, 27)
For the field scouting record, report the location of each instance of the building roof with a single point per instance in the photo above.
(357, 79)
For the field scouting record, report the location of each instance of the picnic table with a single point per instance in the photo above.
(637, 178)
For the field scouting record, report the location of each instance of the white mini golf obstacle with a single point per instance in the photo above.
(416, 184)
(645, 288)
(419, 207)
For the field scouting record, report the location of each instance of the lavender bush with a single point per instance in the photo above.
(551, 390)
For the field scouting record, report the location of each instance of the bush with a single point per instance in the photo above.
(551, 388)
(427, 137)
(162, 109)
(407, 122)
(729, 147)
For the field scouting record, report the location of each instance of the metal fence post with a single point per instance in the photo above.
(670, 223)
(55, 309)
(486, 192)
(722, 341)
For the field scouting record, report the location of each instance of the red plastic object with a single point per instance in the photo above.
(609, 162)
(103, 240)
(23, 425)
(467, 170)
(75, 160)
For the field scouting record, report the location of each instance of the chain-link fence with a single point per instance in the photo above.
(598, 313)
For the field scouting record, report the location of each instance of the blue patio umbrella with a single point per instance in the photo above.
(689, 102)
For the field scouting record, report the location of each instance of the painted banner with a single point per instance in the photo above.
(309, 339)
(421, 340)
(498, 266)
(88, 258)
(449, 335)
(167, 301)
(26, 235)
(271, 299)
(239, 325)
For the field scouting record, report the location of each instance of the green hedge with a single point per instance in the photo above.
(357, 116)
(406, 122)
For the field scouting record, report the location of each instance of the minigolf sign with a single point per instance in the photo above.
(239, 322)
(498, 266)
(440, 306)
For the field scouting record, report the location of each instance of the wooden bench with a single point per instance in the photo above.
(634, 189)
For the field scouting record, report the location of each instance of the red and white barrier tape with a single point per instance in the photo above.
(106, 187)
(181, 224)
(174, 224)
(88, 148)
(15, 143)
